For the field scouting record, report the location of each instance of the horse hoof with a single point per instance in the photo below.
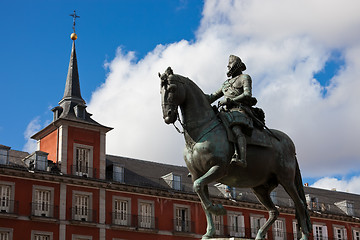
(217, 209)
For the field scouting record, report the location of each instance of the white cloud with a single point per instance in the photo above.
(33, 127)
(352, 185)
(283, 44)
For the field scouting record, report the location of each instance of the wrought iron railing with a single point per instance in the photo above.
(183, 226)
(42, 209)
(83, 214)
(136, 221)
(9, 206)
(83, 171)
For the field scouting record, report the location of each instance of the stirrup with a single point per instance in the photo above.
(238, 161)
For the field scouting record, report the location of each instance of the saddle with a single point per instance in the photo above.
(252, 126)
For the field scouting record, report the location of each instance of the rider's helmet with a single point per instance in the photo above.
(235, 64)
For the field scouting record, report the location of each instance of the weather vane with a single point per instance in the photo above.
(73, 35)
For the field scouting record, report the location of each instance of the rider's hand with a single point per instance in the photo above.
(224, 101)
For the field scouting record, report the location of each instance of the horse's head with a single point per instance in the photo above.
(172, 95)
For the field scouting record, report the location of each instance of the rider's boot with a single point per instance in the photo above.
(239, 157)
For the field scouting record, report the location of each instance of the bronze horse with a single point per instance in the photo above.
(208, 152)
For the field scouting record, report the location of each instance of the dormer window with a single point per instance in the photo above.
(173, 180)
(37, 161)
(118, 173)
(312, 202)
(80, 111)
(57, 112)
(4, 154)
(346, 206)
(177, 182)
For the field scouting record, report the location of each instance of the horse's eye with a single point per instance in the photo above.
(172, 88)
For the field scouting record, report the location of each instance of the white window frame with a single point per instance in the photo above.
(279, 229)
(121, 217)
(46, 208)
(7, 199)
(146, 219)
(218, 224)
(88, 169)
(340, 232)
(80, 237)
(355, 233)
(86, 211)
(236, 224)
(8, 232)
(320, 231)
(182, 223)
(35, 234)
(295, 230)
(256, 221)
(41, 161)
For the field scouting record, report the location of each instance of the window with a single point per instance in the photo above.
(356, 234)
(146, 214)
(118, 173)
(218, 223)
(256, 222)
(83, 160)
(273, 197)
(6, 234)
(82, 203)
(340, 233)
(173, 180)
(81, 237)
(295, 230)
(346, 206)
(4, 155)
(6, 197)
(39, 235)
(312, 202)
(320, 232)
(41, 162)
(182, 221)
(236, 224)
(121, 211)
(42, 204)
(176, 182)
(279, 229)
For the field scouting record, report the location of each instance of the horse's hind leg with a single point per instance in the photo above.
(300, 208)
(214, 173)
(263, 194)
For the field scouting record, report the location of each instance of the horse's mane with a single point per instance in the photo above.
(188, 81)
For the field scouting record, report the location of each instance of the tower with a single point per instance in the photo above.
(73, 140)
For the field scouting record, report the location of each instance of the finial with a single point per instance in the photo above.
(73, 36)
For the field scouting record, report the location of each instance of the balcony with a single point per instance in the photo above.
(122, 219)
(44, 210)
(83, 171)
(9, 206)
(135, 221)
(83, 214)
(183, 226)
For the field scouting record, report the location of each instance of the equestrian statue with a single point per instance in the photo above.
(230, 144)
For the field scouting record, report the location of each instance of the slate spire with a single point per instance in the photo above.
(72, 86)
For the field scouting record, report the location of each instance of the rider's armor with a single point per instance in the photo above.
(238, 96)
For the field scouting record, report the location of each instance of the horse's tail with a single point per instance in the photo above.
(300, 190)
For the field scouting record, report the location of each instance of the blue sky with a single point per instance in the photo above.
(304, 71)
(35, 49)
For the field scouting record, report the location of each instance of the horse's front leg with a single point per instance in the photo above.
(214, 173)
(210, 229)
